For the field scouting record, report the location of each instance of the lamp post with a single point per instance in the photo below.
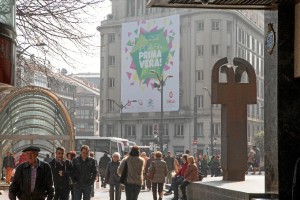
(160, 87)
(31, 45)
(121, 106)
(211, 122)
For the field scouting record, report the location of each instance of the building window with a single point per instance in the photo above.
(111, 38)
(200, 129)
(200, 75)
(111, 82)
(215, 50)
(111, 60)
(166, 129)
(217, 129)
(199, 99)
(215, 25)
(147, 130)
(200, 25)
(179, 130)
(130, 130)
(200, 50)
(110, 130)
(229, 27)
(110, 106)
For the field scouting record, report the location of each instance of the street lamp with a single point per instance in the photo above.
(121, 106)
(211, 123)
(31, 45)
(160, 87)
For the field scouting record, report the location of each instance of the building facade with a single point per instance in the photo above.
(205, 37)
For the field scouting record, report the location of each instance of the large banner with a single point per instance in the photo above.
(150, 46)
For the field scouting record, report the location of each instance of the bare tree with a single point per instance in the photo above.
(57, 23)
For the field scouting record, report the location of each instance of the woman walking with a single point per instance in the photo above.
(190, 175)
(134, 178)
(159, 169)
(112, 178)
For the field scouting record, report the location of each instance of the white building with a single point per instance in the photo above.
(205, 37)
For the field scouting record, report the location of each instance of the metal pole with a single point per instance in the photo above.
(121, 107)
(211, 127)
(161, 128)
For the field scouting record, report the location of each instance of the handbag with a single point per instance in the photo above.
(123, 178)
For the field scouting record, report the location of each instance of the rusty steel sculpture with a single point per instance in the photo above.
(234, 96)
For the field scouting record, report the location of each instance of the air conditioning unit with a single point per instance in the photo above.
(110, 16)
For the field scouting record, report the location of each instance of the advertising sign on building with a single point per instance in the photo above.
(147, 46)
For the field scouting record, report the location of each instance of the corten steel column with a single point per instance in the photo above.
(7, 43)
(234, 97)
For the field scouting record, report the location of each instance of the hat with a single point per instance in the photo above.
(31, 148)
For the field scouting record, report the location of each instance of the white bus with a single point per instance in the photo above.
(99, 144)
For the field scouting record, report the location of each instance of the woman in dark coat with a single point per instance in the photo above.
(112, 177)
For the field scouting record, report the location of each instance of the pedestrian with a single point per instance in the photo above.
(215, 166)
(85, 172)
(250, 161)
(92, 155)
(149, 161)
(190, 175)
(170, 161)
(256, 160)
(70, 156)
(9, 165)
(178, 178)
(144, 156)
(296, 181)
(134, 179)
(204, 166)
(112, 177)
(33, 178)
(103, 162)
(62, 171)
(48, 159)
(159, 169)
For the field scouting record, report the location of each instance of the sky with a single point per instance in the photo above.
(84, 63)
(92, 64)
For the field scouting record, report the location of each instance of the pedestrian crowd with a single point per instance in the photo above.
(66, 176)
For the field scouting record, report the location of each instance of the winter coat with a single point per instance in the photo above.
(135, 169)
(160, 170)
(103, 162)
(170, 162)
(11, 162)
(191, 173)
(111, 176)
(182, 170)
(66, 167)
(84, 171)
(20, 187)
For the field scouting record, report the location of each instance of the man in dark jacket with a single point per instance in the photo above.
(170, 164)
(33, 178)
(62, 173)
(85, 171)
(103, 162)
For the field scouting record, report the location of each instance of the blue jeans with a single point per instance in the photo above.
(177, 181)
(82, 191)
(132, 191)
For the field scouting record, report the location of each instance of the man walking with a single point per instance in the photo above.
(62, 172)
(9, 165)
(170, 164)
(85, 172)
(103, 162)
(33, 178)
